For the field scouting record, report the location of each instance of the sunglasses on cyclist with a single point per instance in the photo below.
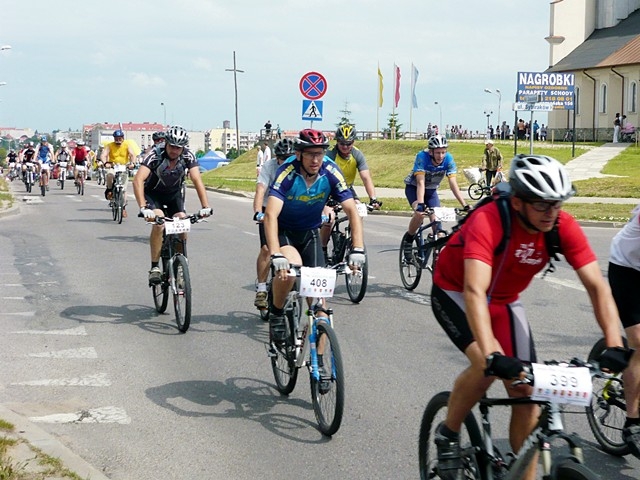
(345, 144)
(543, 207)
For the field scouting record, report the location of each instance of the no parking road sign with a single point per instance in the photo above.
(313, 85)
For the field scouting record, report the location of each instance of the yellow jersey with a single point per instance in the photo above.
(118, 153)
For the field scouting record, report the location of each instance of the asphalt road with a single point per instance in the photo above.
(84, 354)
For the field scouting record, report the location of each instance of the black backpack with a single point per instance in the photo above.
(502, 194)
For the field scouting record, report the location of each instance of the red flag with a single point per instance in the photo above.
(397, 97)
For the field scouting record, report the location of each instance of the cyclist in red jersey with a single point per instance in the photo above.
(475, 296)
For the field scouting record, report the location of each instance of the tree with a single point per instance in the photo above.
(232, 154)
(392, 130)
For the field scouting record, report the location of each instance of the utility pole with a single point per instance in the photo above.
(235, 84)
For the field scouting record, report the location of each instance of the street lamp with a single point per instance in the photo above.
(164, 107)
(488, 113)
(440, 130)
(499, 94)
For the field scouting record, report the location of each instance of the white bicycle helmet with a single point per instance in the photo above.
(438, 141)
(177, 136)
(538, 177)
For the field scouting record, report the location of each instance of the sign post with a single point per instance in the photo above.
(313, 86)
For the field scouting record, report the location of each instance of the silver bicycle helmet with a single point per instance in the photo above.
(438, 141)
(177, 136)
(284, 148)
(538, 177)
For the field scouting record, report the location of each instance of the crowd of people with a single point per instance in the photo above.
(476, 287)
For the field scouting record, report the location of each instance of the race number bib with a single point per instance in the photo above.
(562, 384)
(317, 282)
(445, 214)
(362, 209)
(119, 167)
(177, 226)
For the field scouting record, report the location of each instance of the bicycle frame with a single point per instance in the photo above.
(548, 428)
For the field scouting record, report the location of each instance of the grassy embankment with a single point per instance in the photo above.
(390, 162)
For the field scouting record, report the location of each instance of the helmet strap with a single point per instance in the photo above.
(526, 221)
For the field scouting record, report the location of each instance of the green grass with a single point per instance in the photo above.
(390, 162)
(6, 199)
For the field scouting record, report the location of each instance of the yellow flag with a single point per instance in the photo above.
(379, 87)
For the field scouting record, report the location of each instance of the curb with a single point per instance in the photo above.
(48, 444)
(14, 210)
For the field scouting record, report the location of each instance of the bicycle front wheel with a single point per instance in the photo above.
(475, 191)
(161, 291)
(78, 185)
(120, 204)
(283, 361)
(410, 268)
(568, 468)
(327, 395)
(182, 292)
(357, 281)
(470, 438)
(607, 411)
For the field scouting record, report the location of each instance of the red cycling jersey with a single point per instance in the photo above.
(80, 154)
(524, 256)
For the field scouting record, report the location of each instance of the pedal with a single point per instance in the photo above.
(271, 351)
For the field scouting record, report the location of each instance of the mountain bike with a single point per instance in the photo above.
(479, 189)
(607, 411)
(483, 460)
(119, 193)
(44, 178)
(306, 334)
(62, 174)
(341, 246)
(101, 176)
(80, 176)
(29, 175)
(175, 268)
(425, 248)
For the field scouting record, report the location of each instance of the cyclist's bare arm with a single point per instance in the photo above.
(604, 306)
(453, 185)
(196, 179)
(355, 222)
(274, 207)
(367, 181)
(104, 155)
(138, 184)
(420, 182)
(258, 199)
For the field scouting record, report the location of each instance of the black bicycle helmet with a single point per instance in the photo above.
(284, 147)
(538, 177)
(158, 136)
(438, 141)
(309, 138)
(346, 133)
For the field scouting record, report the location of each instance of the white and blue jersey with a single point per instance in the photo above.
(302, 208)
(44, 153)
(433, 174)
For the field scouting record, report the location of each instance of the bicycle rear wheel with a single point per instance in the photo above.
(283, 363)
(328, 403)
(161, 291)
(357, 282)
(475, 191)
(182, 292)
(568, 468)
(607, 411)
(470, 437)
(410, 270)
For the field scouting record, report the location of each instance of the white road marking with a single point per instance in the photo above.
(13, 298)
(563, 283)
(97, 380)
(24, 284)
(94, 415)
(69, 331)
(253, 234)
(414, 297)
(88, 352)
(19, 314)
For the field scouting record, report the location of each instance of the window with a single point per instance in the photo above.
(603, 98)
(633, 97)
(576, 100)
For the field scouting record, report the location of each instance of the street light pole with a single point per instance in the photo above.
(488, 113)
(164, 107)
(235, 85)
(499, 94)
(439, 126)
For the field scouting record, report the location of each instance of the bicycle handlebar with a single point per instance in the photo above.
(161, 219)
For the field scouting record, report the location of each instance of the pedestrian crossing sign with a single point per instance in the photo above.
(312, 110)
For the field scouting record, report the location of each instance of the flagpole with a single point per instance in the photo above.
(378, 105)
(392, 131)
(412, 87)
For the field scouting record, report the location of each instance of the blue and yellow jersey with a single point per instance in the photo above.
(302, 209)
(349, 166)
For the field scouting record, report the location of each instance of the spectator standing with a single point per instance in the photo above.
(267, 129)
(521, 128)
(617, 123)
(259, 161)
(624, 277)
(266, 152)
(278, 132)
(491, 160)
(536, 128)
(543, 133)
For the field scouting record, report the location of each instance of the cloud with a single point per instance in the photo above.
(201, 63)
(144, 80)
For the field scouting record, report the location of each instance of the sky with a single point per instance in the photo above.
(74, 63)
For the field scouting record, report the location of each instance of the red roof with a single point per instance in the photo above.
(130, 126)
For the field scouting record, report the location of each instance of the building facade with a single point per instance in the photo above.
(604, 54)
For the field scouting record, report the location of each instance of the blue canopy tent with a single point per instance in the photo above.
(212, 159)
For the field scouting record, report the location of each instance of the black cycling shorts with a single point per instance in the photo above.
(170, 204)
(624, 283)
(307, 243)
(508, 322)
